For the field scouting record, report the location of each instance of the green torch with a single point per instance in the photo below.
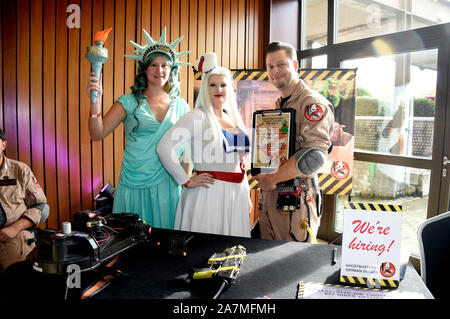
(97, 55)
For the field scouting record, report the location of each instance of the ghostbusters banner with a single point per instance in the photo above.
(338, 86)
(255, 93)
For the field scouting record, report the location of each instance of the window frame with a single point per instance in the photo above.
(433, 37)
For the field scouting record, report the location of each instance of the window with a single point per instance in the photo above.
(316, 62)
(316, 24)
(363, 19)
(395, 103)
(402, 105)
(395, 113)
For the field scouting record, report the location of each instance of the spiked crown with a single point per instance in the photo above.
(141, 53)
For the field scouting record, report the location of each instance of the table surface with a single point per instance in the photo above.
(271, 269)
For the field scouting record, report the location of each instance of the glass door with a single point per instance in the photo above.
(444, 202)
(399, 144)
(402, 126)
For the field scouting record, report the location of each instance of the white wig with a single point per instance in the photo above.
(203, 103)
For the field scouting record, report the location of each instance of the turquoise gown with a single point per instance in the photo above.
(145, 187)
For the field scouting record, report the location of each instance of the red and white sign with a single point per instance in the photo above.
(371, 244)
(314, 113)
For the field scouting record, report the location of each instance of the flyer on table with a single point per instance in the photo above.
(371, 244)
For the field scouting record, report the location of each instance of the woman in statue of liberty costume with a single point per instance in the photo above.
(145, 187)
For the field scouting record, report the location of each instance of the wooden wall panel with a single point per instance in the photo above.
(85, 139)
(146, 8)
(61, 111)
(97, 146)
(241, 36)
(155, 29)
(108, 92)
(1, 66)
(226, 25)
(76, 84)
(23, 80)
(249, 35)
(120, 47)
(209, 34)
(218, 9)
(234, 14)
(174, 31)
(192, 57)
(9, 54)
(44, 107)
(49, 91)
(201, 28)
(36, 93)
(184, 46)
(165, 18)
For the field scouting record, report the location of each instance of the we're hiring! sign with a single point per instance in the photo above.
(371, 244)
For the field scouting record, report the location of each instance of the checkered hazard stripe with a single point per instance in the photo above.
(252, 181)
(331, 185)
(370, 282)
(374, 207)
(261, 75)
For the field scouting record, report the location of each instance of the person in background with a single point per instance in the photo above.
(23, 206)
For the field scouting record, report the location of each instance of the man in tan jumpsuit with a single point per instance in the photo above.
(314, 123)
(22, 206)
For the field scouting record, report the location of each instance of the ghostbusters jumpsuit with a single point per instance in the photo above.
(20, 196)
(314, 123)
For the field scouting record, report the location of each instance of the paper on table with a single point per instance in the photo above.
(310, 290)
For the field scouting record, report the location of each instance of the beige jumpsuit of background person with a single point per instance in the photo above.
(18, 201)
(314, 122)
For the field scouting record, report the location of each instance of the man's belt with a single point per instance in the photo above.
(289, 192)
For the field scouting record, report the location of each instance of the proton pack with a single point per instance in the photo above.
(95, 239)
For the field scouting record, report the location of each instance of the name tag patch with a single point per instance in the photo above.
(8, 182)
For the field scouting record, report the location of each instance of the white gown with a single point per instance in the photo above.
(224, 207)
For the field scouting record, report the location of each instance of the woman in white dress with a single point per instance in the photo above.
(216, 199)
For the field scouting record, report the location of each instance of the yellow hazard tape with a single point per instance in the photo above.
(373, 207)
(252, 182)
(333, 186)
(370, 281)
(304, 74)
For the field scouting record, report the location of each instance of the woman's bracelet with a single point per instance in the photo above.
(94, 116)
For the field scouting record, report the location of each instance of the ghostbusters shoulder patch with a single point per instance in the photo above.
(35, 182)
(314, 112)
(340, 169)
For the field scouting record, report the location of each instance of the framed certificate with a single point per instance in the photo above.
(273, 140)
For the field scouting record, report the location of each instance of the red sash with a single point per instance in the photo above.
(227, 176)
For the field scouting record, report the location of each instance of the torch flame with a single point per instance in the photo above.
(102, 35)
